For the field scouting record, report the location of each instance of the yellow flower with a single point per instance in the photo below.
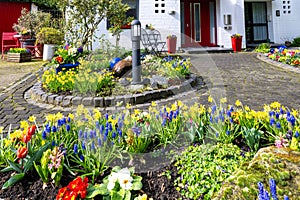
(210, 99)
(179, 103)
(238, 103)
(137, 111)
(247, 108)
(294, 112)
(153, 104)
(1, 129)
(223, 100)
(24, 124)
(275, 105)
(32, 119)
(97, 114)
(128, 106)
(71, 116)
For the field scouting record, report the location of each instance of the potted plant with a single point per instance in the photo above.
(67, 58)
(49, 37)
(236, 42)
(171, 43)
(30, 23)
(18, 55)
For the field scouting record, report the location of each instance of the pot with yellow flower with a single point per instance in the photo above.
(236, 42)
(67, 58)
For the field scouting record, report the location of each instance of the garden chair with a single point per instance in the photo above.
(157, 43)
(146, 40)
(9, 41)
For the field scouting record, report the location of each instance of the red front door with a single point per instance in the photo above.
(198, 23)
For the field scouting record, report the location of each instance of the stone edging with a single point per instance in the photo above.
(264, 58)
(39, 95)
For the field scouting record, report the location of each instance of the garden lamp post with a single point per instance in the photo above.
(136, 60)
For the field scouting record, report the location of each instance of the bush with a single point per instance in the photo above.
(296, 42)
(49, 36)
(263, 48)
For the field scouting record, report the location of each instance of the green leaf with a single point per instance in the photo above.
(14, 166)
(96, 190)
(41, 172)
(14, 179)
(35, 157)
(7, 169)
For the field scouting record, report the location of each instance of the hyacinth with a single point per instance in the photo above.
(56, 157)
(273, 189)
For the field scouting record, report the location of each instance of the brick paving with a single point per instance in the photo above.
(235, 76)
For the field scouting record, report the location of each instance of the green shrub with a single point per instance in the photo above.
(296, 42)
(202, 169)
(263, 48)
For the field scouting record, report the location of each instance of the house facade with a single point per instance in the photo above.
(211, 22)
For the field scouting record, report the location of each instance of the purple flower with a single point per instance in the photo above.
(54, 129)
(260, 191)
(80, 50)
(272, 121)
(75, 148)
(99, 142)
(44, 135)
(48, 128)
(273, 189)
(278, 125)
(296, 134)
(286, 197)
(68, 127)
(81, 157)
(228, 132)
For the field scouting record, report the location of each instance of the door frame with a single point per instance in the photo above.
(249, 24)
(187, 21)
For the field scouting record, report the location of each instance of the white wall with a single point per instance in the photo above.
(235, 8)
(167, 24)
(286, 26)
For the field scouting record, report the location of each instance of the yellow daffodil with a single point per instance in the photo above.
(238, 103)
(275, 105)
(1, 129)
(32, 119)
(210, 99)
(223, 100)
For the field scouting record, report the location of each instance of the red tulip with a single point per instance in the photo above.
(31, 130)
(26, 138)
(22, 152)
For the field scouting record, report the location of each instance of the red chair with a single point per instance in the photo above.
(9, 41)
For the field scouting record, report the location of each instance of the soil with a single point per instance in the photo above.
(155, 185)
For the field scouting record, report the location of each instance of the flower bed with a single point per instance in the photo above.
(283, 55)
(89, 144)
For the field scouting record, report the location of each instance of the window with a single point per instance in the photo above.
(132, 12)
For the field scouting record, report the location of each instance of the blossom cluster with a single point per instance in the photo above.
(282, 54)
(75, 189)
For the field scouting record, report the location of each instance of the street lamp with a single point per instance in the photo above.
(136, 60)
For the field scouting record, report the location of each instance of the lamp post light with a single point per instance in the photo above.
(136, 59)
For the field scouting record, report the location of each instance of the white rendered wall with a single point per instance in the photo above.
(167, 24)
(235, 8)
(286, 26)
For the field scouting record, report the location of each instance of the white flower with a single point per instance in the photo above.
(125, 178)
(112, 180)
(125, 181)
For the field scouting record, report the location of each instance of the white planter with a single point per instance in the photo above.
(48, 51)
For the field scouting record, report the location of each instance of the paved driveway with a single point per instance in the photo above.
(245, 77)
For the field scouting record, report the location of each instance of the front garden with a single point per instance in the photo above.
(215, 151)
(200, 152)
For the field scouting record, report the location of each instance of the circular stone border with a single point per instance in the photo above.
(264, 58)
(41, 96)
